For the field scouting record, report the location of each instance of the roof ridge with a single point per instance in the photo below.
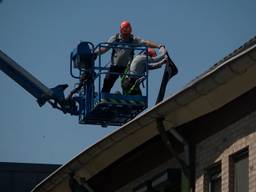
(251, 42)
(240, 49)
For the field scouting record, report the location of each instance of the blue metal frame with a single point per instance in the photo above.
(108, 108)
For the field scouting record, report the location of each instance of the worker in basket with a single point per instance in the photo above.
(121, 57)
(131, 81)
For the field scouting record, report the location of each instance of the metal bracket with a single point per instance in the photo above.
(75, 186)
(185, 164)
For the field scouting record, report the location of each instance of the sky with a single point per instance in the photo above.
(39, 35)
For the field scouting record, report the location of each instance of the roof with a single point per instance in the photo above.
(222, 83)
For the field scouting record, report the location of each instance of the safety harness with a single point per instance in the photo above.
(119, 40)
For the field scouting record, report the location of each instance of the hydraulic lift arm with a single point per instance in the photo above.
(86, 100)
(54, 96)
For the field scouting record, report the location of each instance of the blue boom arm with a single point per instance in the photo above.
(54, 96)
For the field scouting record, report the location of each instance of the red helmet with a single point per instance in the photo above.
(125, 28)
(151, 52)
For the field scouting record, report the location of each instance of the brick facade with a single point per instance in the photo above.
(221, 146)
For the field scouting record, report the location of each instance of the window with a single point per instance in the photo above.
(167, 181)
(214, 178)
(239, 171)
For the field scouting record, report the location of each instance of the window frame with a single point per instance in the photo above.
(233, 159)
(213, 173)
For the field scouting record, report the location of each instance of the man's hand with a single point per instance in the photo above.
(165, 60)
(163, 50)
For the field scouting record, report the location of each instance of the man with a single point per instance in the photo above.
(121, 57)
(150, 60)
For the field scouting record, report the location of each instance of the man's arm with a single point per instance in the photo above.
(152, 44)
(162, 54)
(103, 50)
(157, 64)
(148, 43)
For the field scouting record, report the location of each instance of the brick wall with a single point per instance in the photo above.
(219, 148)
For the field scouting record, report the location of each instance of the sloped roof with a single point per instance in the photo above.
(224, 81)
